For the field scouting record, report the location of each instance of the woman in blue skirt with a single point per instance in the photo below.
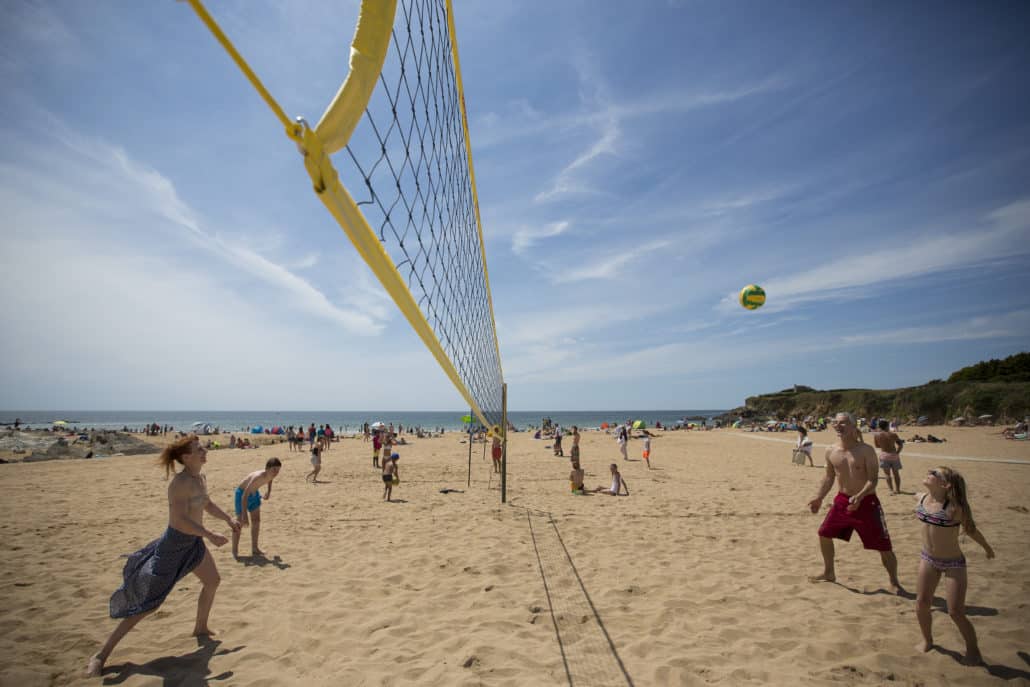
(151, 572)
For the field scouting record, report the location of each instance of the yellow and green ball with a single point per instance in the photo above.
(752, 296)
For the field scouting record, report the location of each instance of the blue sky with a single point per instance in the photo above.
(637, 164)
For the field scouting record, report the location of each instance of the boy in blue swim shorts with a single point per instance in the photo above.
(249, 492)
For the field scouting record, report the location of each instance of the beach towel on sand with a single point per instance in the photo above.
(151, 572)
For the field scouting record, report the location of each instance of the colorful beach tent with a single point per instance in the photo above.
(257, 430)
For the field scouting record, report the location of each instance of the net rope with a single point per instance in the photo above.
(407, 167)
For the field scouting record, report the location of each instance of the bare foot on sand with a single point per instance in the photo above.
(973, 659)
(203, 632)
(95, 666)
(825, 577)
(924, 646)
(257, 552)
(895, 588)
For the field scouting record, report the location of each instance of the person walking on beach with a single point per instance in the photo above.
(316, 464)
(557, 441)
(647, 451)
(495, 453)
(804, 445)
(855, 508)
(390, 475)
(575, 442)
(942, 509)
(377, 444)
(622, 435)
(890, 445)
(248, 504)
(151, 573)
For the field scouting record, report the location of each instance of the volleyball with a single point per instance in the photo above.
(752, 296)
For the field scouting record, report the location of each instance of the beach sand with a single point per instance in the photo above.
(697, 578)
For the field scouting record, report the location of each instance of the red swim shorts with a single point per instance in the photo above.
(867, 520)
(495, 452)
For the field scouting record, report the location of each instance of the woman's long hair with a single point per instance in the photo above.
(957, 493)
(174, 452)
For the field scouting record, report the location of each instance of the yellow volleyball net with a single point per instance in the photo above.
(403, 187)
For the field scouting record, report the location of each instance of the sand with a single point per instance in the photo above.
(697, 578)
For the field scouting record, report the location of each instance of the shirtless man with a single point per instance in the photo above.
(249, 493)
(853, 465)
(890, 445)
(575, 442)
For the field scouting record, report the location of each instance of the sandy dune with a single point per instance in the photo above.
(698, 577)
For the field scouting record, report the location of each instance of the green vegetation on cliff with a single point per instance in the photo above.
(1000, 388)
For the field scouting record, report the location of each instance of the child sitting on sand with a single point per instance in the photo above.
(942, 509)
(249, 493)
(576, 478)
(618, 484)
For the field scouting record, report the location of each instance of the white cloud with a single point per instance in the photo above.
(859, 275)
(609, 266)
(525, 238)
(99, 181)
(1014, 324)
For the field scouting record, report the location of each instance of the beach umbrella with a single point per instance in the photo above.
(639, 424)
(377, 425)
(604, 425)
(467, 419)
(59, 422)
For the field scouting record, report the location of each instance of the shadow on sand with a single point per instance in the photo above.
(189, 669)
(995, 669)
(262, 561)
(938, 603)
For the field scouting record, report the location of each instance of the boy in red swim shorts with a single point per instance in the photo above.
(853, 465)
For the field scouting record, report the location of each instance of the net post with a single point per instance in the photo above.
(468, 435)
(504, 442)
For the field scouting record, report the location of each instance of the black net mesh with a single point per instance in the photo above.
(407, 168)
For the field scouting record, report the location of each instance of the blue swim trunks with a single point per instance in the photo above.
(253, 501)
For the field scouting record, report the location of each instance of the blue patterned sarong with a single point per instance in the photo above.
(151, 572)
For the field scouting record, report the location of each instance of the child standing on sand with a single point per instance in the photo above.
(316, 464)
(942, 509)
(249, 493)
(647, 450)
(390, 475)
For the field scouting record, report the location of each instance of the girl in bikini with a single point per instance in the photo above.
(942, 510)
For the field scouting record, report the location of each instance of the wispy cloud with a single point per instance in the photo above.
(525, 238)
(857, 276)
(119, 186)
(610, 266)
(1013, 324)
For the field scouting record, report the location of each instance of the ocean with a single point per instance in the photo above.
(349, 421)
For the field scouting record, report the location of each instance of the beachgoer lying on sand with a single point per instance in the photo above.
(152, 572)
(934, 440)
(618, 484)
(249, 493)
